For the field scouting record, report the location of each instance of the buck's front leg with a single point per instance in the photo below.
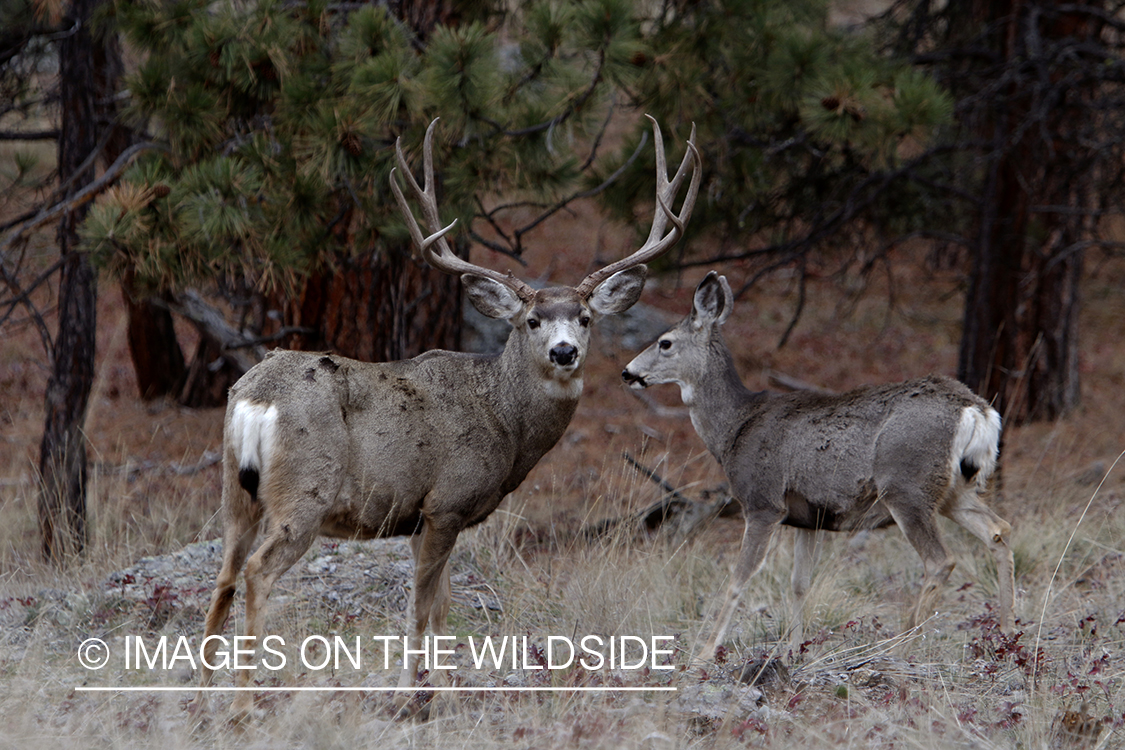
(431, 600)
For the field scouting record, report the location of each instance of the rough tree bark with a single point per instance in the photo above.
(1019, 346)
(380, 307)
(62, 455)
(158, 360)
(384, 306)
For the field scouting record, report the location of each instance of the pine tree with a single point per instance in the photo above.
(281, 118)
(809, 133)
(281, 121)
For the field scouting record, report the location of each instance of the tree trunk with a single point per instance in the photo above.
(210, 375)
(158, 360)
(1019, 345)
(379, 307)
(83, 91)
(62, 453)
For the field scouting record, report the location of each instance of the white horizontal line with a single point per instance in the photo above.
(274, 689)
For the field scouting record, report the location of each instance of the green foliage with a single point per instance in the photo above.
(793, 115)
(282, 117)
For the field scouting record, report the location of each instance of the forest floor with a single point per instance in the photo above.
(529, 572)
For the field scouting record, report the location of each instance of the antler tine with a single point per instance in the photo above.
(665, 190)
(658, 242)
(444, 259)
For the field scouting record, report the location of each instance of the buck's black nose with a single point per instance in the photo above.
(563, 354)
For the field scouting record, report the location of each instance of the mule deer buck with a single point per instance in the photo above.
(900, 453)
(318, 444)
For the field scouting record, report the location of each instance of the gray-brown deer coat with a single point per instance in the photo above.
(899, 453)
(320, 444)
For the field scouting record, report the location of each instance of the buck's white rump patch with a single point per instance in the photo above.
(252, 432)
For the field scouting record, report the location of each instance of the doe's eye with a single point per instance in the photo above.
(584, 321)
(665, 344)
(532, 323)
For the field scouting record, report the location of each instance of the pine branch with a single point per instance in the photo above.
(516, 246)
(83, 196)
(559, 118)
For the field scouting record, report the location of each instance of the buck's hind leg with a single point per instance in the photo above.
(968, 512)
(236, 546)
(283, 546)
(240, 528)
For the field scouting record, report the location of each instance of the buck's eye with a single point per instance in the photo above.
(532, 323)
(665, 344)
(584, 321)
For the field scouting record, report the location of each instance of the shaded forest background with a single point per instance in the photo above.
(227, 165)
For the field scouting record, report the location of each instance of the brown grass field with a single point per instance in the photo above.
(956, 683)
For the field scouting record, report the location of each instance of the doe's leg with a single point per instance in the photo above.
(974, 516)
(443, 596)
(756, 537)
(806, 548)
(914, 514)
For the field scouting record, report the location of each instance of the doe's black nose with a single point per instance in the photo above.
(563, 354)
(629, 377)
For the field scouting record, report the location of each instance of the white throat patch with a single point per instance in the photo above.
(569, 389)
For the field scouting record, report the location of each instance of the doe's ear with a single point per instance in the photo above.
(713, 301)
(619, 292)
(491, 297)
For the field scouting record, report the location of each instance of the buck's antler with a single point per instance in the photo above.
(444, 260)
(658, 242)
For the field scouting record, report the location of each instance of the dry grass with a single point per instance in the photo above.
(957, 683)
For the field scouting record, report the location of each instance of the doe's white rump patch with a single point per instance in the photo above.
(977, 440)
(252, 432)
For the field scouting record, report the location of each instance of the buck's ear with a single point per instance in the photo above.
(491, 297)
(619, 292)
(713, 301)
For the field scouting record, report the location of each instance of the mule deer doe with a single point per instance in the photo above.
(319, 444)
(899, 453)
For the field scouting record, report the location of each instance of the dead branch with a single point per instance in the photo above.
(37, 135)
(673, 513)
(132, 469)
(516, 242)
(656, 407)
(790, 383)
(211, 321)
(83, 196)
